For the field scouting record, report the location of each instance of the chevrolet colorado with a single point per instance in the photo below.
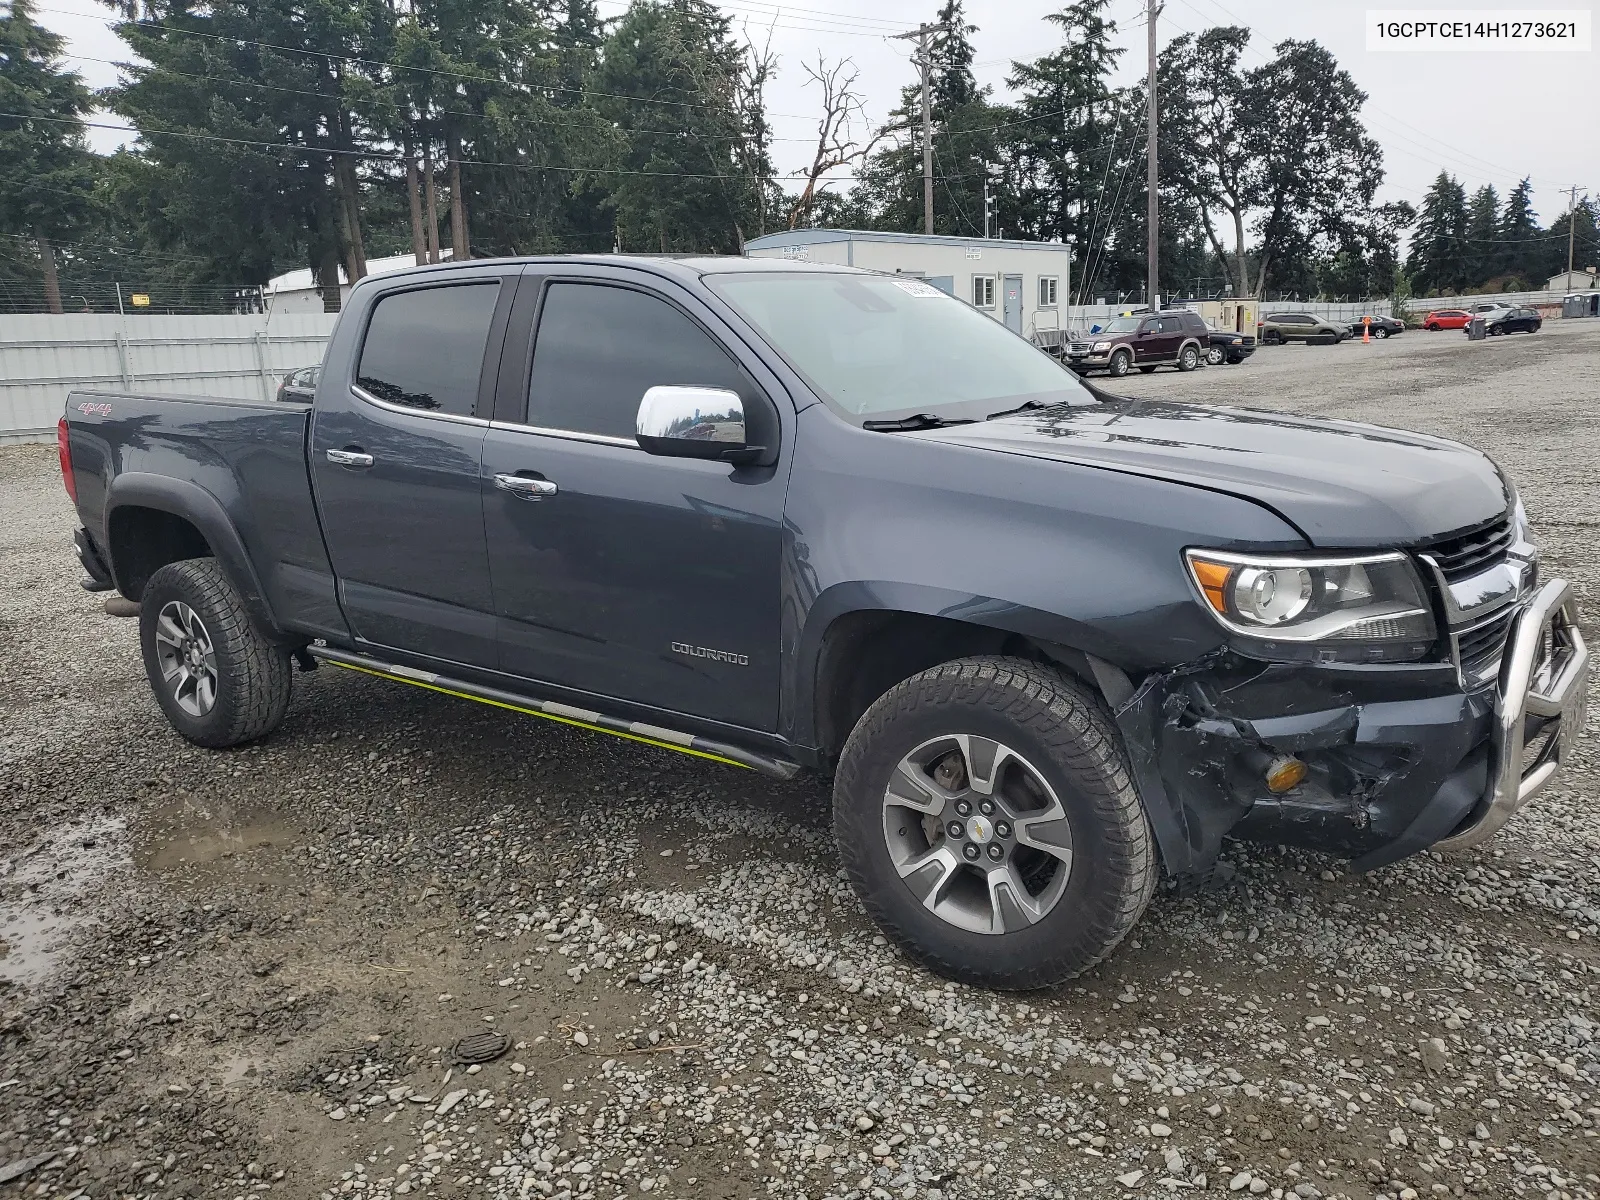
(1050, 643)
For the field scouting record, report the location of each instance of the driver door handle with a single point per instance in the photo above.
(526, 488)
(349, 458)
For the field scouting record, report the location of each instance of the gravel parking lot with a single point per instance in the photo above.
(224, 973)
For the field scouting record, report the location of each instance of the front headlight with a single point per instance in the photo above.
(1367, 608)
(1101, 347)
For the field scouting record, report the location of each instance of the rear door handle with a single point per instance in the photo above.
(528, 489)
(349, 458)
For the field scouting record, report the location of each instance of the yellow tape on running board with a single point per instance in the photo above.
(534, 712)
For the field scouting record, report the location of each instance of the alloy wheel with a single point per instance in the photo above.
(187, 658)
(977, 834)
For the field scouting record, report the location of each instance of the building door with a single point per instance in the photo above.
(1014, 303)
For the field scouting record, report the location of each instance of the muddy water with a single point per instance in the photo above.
(194, 832)
(47, 893)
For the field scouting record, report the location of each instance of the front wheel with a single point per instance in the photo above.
(1118, 366)
(1433, 327)
(217, 679)
(986, 816)
(1188, 358)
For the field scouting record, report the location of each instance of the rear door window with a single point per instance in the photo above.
(424, 348)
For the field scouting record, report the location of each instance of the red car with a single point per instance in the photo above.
(1446, 318)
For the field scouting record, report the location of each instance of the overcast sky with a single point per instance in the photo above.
(1485, 117)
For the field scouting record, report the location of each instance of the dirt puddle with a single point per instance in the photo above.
(193, 832)
(46, 894)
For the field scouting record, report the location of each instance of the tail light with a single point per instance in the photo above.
(64, 445)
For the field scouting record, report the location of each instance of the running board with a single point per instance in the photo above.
(566, 714)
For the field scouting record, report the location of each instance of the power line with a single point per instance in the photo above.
(454, 112)
(145, 130)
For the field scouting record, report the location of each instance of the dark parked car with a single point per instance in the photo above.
(1176, 338)
(1381, 327)
(1512, 320)
(1300, 327)
(1049, 643)
(1225, 346)
(300, 386)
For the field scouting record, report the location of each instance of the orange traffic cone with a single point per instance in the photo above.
(1366, 330)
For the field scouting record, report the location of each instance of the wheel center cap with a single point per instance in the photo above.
(979, 828)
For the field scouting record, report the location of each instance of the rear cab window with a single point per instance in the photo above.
(424, 347)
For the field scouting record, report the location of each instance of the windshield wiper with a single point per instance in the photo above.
(907, 424)
(1023, 407)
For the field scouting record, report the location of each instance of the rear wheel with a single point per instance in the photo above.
(1216, 356)
(1121, 360)
(1188, 358)
(217, 679)
(986, 815)
(1380, 333)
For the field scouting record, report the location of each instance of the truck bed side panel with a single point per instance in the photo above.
(250, 457)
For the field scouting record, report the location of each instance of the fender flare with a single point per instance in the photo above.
(204, 511)
(1183, 847)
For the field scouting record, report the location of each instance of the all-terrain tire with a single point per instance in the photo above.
(253, 677)
(1118, 366)
(1065, 732)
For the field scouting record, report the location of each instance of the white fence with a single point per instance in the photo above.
(43, 356)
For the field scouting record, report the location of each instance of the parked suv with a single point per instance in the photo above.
(1175, 339)
(1299, 327)
(1512, 320)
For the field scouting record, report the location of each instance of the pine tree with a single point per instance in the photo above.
(46, 173)
(1518, 232)
(1485, 257)
(1437, 261)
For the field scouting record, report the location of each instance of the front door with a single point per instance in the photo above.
(395, 447)
(646, 579)
(1013, 303)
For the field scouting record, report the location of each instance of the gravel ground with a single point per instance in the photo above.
(225, 973)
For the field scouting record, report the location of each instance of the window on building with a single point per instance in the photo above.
(1047, 291)
(599, 349)
(424, 348)
(983, 291)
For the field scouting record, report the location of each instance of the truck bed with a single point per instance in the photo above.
(129, 449)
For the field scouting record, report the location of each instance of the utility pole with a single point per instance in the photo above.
(1572, 228)
(988, 210)
(1151, 174)
(925, 60)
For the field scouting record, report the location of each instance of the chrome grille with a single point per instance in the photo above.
(1467, 554)
(1480, 646)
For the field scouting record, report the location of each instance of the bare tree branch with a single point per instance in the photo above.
(842, 108)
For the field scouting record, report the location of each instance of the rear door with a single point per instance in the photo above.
(1147, 342)
(646, 579)
(396, 443)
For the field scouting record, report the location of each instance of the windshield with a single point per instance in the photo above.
(873, 345)
(1122, 325)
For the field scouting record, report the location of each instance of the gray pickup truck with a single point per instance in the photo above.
(1051, 644)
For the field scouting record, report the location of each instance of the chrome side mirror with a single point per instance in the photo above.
(692, 422)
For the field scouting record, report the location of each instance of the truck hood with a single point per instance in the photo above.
(1339, 483)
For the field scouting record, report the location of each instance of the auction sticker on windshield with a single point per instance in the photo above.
(916, 287)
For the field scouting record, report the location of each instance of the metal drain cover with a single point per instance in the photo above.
(481, 1047)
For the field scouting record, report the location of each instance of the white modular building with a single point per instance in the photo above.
(1026, 285)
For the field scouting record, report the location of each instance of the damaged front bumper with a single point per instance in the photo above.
(1400, 757)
